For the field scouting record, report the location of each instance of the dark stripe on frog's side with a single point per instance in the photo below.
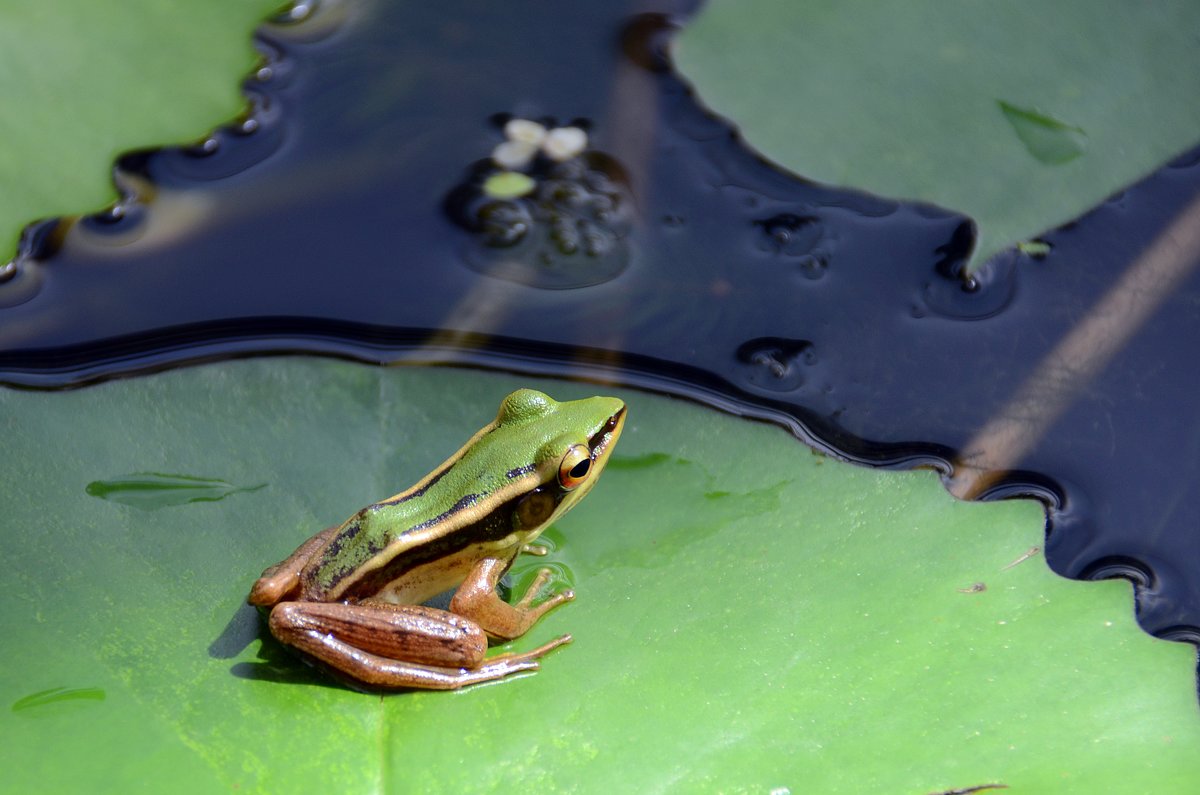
(324, 579)
(347, 533)
(408, 495)
(496, 525)
(465, 502)
(414, 493)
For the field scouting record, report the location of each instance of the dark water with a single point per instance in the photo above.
(344, 215)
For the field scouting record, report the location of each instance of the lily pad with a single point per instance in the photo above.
(750, 617)
(979, 107)
(83, 82)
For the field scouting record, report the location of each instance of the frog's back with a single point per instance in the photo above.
(448, 501)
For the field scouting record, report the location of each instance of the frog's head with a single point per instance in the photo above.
(575, 439)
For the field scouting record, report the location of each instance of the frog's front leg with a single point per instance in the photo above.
(477, 599)
(391, 646)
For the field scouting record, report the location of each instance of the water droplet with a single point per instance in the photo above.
(299, 11)
(788, 234)
(981, 294)
(812, 266)
(20, 280)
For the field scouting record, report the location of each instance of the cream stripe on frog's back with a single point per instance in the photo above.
(345, 562)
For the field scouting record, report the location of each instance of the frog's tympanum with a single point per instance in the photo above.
(351, 596)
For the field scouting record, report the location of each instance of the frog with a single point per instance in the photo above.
(353, 597)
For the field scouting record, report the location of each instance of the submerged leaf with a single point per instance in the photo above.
(57, 694)
(1049, 140)
(152, 490)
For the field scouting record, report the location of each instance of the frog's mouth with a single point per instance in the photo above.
(602, 441)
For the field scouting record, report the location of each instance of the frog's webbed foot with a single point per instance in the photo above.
(477, 599)
(394, 646)
(543, 576)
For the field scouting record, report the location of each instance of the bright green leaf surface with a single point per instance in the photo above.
(83, 82)
(750, 616)
(904, 99)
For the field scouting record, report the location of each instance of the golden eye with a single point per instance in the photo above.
(575, 467)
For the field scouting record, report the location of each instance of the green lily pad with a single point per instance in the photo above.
(1020, 114)
(751, 616)
(83, 82)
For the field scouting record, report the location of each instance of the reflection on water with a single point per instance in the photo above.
(342, 215)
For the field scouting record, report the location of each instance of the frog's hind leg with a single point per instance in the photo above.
(395, 646)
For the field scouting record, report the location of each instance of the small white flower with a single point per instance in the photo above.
(564, 143)
(524, 130)
(514, 155)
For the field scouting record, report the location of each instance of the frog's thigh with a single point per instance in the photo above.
(392, 645)
(402, 632)
(279, 581)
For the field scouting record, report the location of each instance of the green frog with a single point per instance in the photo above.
(351, 596)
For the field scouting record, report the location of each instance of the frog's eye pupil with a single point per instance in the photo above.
(575, 467)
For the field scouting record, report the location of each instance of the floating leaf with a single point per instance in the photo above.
(900, 98)
(749, 616)
(83, 82)
(508, 185)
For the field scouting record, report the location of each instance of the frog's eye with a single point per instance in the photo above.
(575, 467)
